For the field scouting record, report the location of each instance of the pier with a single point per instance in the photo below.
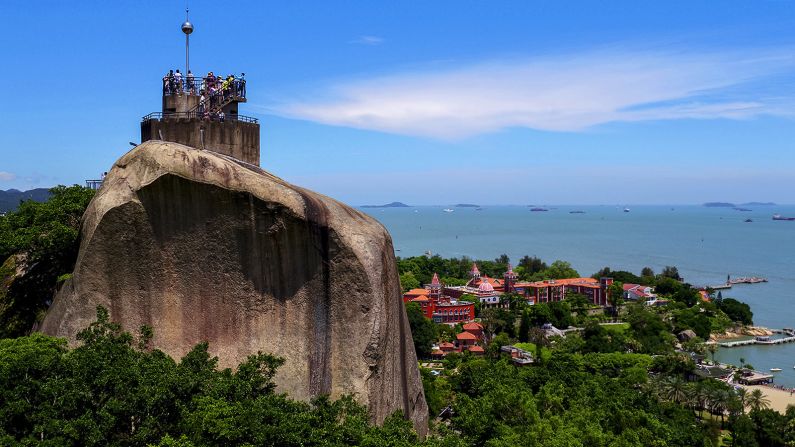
(790, 337)
(730, 282)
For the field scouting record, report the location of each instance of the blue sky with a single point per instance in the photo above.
(509, 102)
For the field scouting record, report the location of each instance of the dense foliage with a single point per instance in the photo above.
(455, 271)
(38, 245)
(114, 391)
(424, 331)
(573, 400)
(46, 230)
(736, 310)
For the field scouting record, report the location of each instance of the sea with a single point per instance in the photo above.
(705, 243)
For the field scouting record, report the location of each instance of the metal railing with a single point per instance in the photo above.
(94, 184)
(195, 86)
(197, 115)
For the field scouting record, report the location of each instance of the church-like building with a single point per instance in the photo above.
(440, 307)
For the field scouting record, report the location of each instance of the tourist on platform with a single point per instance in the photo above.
(242, 85)
(202, 103)
(221, 116)
(168, 83)
(191, 86)
(178, 82)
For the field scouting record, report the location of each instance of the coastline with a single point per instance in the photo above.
(744, 331)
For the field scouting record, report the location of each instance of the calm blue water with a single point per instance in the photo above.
(705, 244)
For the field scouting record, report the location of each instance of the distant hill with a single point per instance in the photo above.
(720, 205)
(466, 205)
(758, 204)
(9, 200)
(388, 205)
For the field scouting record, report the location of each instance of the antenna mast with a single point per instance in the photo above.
(187, 28)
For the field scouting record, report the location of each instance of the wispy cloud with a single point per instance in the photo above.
(7, 176)
(368, 40)
(561, 93)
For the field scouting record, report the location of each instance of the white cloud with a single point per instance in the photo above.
(561, 93)
(368, 40)
(7, 176)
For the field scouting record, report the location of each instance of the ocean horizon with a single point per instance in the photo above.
(705, 243)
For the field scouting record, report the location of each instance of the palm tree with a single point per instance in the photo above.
(742, 395)
(675, 389)
(719, 402)
(757, 400)
(713, 348)
(702, 394)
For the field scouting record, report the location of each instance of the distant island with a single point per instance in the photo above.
(758, 204)
(466, 205)
(732, 205)
(388, 205)
(9, 200)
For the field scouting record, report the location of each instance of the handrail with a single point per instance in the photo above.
(195, 85)
(196, 115)
(220, 98)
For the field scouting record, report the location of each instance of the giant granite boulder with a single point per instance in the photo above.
(204, 247)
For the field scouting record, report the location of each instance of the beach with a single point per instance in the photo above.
(779, 399)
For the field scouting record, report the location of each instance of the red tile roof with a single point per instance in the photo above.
(472, 326)
(416, 292)
(476, 348)
(466, 336)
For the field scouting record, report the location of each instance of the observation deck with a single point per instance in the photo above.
(202, 112)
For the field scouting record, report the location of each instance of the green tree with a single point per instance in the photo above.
(615, 297)
(524, 326)
(671, 272)
(41, 240)
(408, 281)
(736, 310)
(423, 330)
(560, 270)
(756, 400)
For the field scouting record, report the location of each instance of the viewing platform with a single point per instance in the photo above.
(202, 112)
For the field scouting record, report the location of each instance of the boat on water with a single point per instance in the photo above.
(780, 217)
(478, 209)
(538, 209)
(748, 220)
(448, 210)
(775, 369)
(577, 212)
(626, 210)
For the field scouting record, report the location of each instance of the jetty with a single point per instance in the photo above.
(790, 337)
(742, 280)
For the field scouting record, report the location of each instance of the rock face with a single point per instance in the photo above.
(203, 247)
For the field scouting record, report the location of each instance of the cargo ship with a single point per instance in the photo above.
(780, 217)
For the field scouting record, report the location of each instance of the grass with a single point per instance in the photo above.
(616, 328)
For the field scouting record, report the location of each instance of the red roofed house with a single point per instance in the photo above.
(475, 329)
(447, 347)
(466, 339)
(477, 350)
(637, 292)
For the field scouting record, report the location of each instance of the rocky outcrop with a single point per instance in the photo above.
(741, 331)
(204, 247)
